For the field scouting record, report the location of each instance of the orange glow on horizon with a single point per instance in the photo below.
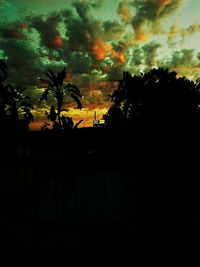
(87, 114)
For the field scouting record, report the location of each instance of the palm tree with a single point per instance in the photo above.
(13, 102)
(18, 104)
(57, 88)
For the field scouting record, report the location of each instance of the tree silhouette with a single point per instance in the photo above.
(13, 102)
(57, 88)
(3, 87)
(68, 123)
(114, 117)
(18, 103)
(3, 71)
(157, 96)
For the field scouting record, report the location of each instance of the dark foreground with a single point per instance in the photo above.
(100, 198)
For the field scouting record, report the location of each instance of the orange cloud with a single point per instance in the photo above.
(140, 34)
(162, 4)
(174, 30)
(15, 33)
(191, 29)
(124, 11)
(100, 48)
(119, 56)
(57, 41)
(95, 93)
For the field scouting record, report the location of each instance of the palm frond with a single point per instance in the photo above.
(44, 96)
(61, 76)
(53, 78)
(72, 88)
(77, 100)
(77, 124)
(64, 109)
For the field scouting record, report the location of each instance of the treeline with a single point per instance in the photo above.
(157, 98)
(16, 107)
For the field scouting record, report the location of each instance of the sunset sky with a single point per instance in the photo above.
(96, 40)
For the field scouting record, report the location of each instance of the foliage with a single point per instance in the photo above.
(157, 96)
(57, 88)
(13, 101)
(18, 103)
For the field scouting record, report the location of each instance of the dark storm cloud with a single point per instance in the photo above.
(115, 73)
(23, 61)
(80, 62)
(16, 31)
(48, 29)
(76, 34)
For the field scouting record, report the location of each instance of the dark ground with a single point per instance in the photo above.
(98, 197)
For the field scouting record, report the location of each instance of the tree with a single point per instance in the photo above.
(13, 102)
(3, 71)
(3, 88)
(58, 89)
(114, 117)
(157, 97)
(18, 103)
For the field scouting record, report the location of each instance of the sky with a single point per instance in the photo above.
(96, 40)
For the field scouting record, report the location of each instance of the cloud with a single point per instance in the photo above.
(80, 62)
(100, 48)
(172, 34)
(149, 14)
(185, 62)
(113, 30)
(137, 56)
(182, 58)
(48, 29)
(115, 73)
(23, 61)
(118, 53)
(175, 32)
(150, 53)
(124, 11)
(15, 30)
